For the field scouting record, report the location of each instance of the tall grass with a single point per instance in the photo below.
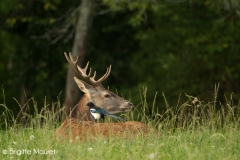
(191, 130)
(193, 114)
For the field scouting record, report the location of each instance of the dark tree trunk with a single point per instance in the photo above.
(79, 49)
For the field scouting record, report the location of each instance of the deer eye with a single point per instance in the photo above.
(107, 95)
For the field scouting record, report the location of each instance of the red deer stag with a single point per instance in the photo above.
(81, 123)
(96, 93)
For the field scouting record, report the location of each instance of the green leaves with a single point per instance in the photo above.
(167, 46)
(49, 6)
(137, 9)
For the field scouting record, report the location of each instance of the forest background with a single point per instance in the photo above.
(169, 46)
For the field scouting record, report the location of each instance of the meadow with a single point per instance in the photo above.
(191, 130)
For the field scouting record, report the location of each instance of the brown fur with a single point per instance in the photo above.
(81, 111)
(87, 130)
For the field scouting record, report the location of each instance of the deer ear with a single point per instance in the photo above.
(83, 86)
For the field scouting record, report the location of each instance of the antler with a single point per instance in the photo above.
(83, 71)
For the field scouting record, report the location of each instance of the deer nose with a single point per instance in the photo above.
(130, 104)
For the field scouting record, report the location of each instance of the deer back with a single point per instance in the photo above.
(85, 130)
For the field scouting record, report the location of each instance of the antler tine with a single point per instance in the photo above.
(83, 71)
(93, 77)
(90, 70)
(104, 76)
(72, 62)
(67, 57)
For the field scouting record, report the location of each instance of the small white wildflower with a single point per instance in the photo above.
(77, 137)
(31, 137)
(105, 142)
(14, 142)
(213, 146)
(152, 155)
(71, 140)
(90, 149)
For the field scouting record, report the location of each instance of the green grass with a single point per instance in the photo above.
(178, 145)
(192, 130)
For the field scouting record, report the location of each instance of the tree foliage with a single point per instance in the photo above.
(172, 46)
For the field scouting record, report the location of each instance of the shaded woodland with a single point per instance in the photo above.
(169, 46)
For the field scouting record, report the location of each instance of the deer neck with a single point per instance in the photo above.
(81, 111)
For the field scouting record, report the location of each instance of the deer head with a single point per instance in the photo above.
(95, 92)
